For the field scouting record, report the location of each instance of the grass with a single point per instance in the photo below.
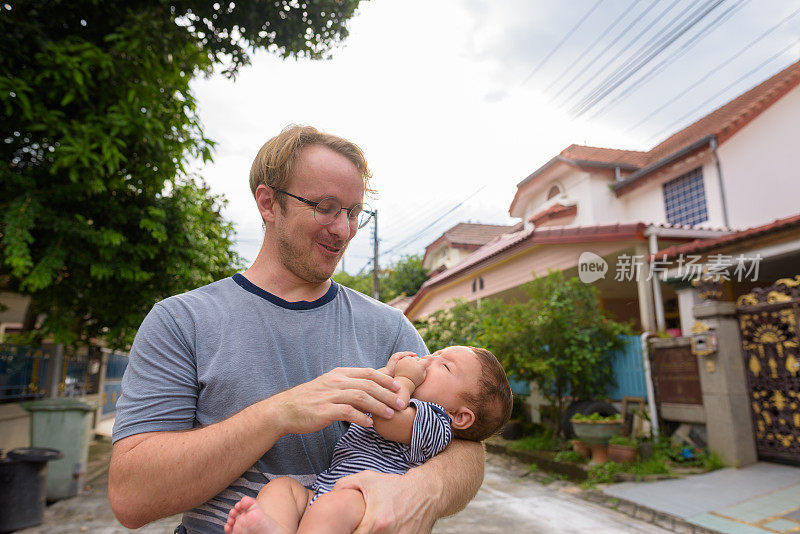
(571, 456)
(544, 441)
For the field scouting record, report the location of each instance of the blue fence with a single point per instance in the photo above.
(629, 371)
(116, 363)
(23, 372)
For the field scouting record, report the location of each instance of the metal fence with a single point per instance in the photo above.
(24, 371)
(28, 373)
(116, 362)
(628, 371)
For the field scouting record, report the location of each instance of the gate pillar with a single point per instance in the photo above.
(726, 397)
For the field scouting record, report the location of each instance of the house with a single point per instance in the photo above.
(732, 169)
(458, 242)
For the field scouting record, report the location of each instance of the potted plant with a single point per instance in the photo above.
(596, 430)
(622, 449)
(581, 448)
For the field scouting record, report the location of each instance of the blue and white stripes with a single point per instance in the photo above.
(364, 449)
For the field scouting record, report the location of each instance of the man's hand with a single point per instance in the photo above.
(343, 394)
(391, 506)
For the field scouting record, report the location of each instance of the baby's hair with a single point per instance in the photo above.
(492, 401)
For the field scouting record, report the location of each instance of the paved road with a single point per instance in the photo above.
(510, 501)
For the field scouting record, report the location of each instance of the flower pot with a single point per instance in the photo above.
(581, 448)
(621, 454)
(596, 432)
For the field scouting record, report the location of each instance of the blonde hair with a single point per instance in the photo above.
(275, 160)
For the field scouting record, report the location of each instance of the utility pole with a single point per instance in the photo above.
(375, 291)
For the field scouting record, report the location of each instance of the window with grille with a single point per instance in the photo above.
(685, 199)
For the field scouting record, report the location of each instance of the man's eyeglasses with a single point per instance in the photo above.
(327, 209)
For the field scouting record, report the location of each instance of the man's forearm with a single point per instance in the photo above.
(452, 478)
(158, 474)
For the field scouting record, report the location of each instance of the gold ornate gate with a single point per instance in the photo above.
(768, 320)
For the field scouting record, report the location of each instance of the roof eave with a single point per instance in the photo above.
(620, 186)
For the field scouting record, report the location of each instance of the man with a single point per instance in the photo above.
(252, 377)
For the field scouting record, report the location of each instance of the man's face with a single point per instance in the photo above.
(452, 371)
(309, 250)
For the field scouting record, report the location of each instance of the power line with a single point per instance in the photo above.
(582, 55)
(644, 57)
(669, 128)
(699, 36)
(414, 237)
(624, 49)
(426, 237)
(717, 68)
(562, 41)
(396, 231)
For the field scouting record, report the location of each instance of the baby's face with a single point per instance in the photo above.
(452, 371)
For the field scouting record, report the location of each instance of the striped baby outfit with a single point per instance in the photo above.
(363, 448)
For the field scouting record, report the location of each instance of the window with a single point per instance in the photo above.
(477, 284)
(553, 192)
(685, 199)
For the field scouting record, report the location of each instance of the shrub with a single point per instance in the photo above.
(624, 441)
(571, 456)
(583, 418)
(560, 338)
(544, 441)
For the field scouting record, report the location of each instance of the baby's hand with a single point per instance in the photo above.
(396, 357)
(412, 368)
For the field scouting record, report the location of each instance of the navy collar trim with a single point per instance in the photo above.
(250, 287)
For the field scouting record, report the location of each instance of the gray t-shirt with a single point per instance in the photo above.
(203, 356)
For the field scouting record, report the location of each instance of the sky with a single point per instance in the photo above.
(455, 102)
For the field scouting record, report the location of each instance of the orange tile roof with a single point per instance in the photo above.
(556, 211)
(704, 245)
(731, 117)
(604, 155)
(721, 123)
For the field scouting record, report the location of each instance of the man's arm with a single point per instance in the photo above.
(157, 474)
(412, 503)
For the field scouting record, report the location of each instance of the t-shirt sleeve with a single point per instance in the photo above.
(159, 387)
(431, 433)
(409, 339)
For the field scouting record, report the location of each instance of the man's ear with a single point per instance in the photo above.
(266, 202)
(462, 418)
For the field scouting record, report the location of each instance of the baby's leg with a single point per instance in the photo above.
(337, 512)
(277, 509)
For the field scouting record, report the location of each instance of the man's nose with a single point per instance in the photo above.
(340, 227)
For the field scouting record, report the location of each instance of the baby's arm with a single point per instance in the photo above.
(410, 372)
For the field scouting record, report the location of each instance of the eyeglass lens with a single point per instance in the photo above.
(329, 208)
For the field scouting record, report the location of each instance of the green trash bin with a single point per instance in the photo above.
(64, 424)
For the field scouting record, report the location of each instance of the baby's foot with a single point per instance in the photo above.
(247, 517)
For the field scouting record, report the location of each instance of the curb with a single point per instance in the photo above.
(544, 461)
(645, 513)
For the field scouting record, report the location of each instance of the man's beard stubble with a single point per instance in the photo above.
(300, 264)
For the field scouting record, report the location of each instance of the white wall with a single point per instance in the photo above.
(646, 202)
(760, 165)
(451, 256)
(16, 305)
(596, 203)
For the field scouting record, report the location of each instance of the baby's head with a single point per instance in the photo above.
(472, 387)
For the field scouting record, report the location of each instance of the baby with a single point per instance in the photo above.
(460, 392)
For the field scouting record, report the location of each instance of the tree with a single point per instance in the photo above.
(560, 338)
(99, 217)
(403, 277)
(406, 276)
